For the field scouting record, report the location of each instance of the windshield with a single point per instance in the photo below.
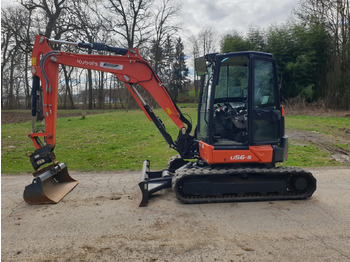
(233, 78)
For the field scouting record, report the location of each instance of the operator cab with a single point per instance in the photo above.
(239, 103)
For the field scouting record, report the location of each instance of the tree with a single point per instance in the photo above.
(256, 39)
(301, 55)
(27, 44)
(163, 28)
(195, 51)
(234, 42)
(168, 58)
(58, 22)
(201, 44)
(52, 10)
(13, 32)
(207, 40)
(130, 19)
(300, 51)
(180, 71)
(334, 15)
(67, 77)
(88, 27)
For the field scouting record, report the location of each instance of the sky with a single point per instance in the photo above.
(224, 16)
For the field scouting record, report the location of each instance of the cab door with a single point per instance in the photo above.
(265, 112)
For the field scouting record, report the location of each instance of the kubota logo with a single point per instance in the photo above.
(85, 62)
(241, 157)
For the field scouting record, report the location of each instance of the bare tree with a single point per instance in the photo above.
(195, 51)
(26, 48)
(130, 19)
(7, 51)
(130, 22)
(201, 44)
(52, 10)
(58, 22)
(68, 92)
(89, 28)
(207, 40)
(335, 16)
(13, 26)
(163, 27)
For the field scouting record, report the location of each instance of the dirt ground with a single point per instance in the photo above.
(100, 221)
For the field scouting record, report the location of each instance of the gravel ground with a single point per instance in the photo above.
(100, 221)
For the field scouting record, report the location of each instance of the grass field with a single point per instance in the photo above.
(121, 140)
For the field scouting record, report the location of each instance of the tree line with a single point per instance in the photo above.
(312, 50)
(147, 25)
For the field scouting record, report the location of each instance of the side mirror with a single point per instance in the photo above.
(200, 66)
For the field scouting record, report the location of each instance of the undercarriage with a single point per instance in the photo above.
(194, 184)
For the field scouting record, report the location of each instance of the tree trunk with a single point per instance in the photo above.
(10, 97)
(100, 91)
(68, 93)
(90, 89)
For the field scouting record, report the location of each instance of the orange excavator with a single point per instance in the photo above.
(232, 154)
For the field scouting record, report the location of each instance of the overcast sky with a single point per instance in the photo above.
(224, 16)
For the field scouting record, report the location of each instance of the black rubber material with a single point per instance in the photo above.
(194, 185)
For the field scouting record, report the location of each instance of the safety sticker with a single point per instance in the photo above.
(168, 111)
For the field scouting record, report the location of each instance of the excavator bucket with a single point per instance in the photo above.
(50, 185)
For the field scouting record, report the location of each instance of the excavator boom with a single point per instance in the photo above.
(129, 67)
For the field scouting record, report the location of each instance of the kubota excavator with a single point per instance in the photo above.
(231, 156)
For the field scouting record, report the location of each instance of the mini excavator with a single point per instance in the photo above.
(232, 153)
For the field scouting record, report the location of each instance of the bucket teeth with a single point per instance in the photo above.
(50, 185)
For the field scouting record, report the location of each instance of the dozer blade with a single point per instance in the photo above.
(152, 182)
(50, 185)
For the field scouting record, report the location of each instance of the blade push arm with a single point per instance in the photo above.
(128, 66)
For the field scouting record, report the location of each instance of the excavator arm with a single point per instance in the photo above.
(53, 182)
(127, 65)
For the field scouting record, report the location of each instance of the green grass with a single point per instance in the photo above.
(63, 111)
(338, 128)
(321, 124)
(121, 140)
(344, 146)
(118, 140)
(308, 156)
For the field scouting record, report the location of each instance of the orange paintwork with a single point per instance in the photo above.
(130, 69)
(255, 154)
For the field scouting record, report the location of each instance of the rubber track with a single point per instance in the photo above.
(281, 173)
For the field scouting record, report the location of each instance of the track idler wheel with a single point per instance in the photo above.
(302, 184)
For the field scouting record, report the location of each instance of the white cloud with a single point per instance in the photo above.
(225, 15)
